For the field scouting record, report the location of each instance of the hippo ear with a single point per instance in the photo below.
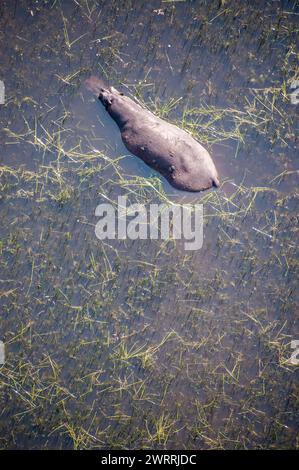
(114, 90)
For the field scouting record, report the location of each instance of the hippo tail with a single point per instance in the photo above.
(216, 182)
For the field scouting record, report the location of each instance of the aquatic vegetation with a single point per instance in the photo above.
(141, 344)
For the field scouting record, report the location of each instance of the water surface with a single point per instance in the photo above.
(141, 344)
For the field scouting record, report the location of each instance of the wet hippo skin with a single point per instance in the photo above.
(171, 151)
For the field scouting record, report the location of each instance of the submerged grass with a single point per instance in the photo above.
(139, 344)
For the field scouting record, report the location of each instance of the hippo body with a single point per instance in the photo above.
(163, 146)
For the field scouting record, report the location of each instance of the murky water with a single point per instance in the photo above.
(141, 344)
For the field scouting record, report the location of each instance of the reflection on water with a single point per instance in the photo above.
(129, 344)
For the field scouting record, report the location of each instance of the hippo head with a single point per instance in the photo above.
(116, 104)
(109, 95)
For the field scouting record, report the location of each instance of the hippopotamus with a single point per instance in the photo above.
(166, 148)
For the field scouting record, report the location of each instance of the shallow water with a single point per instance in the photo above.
(135, 344)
